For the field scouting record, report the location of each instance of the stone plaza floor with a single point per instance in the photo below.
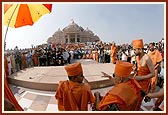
(37, 100)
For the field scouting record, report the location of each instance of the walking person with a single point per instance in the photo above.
(156, 59)
(145, 68)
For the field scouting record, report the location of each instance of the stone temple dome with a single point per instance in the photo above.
(73, 33)
(58, 31)
(72, 28)
(89, 32)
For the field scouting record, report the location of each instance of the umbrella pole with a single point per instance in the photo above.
(8, 25)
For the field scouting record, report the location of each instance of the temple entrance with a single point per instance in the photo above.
(72, 38)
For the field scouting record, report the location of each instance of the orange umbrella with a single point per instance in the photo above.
(18, 15)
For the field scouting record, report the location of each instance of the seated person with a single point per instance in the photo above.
(73, 94)
(125, 93)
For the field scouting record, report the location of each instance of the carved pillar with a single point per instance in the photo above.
(68, 39)
(75, 38)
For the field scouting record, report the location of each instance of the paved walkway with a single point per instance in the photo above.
(36, 100)
(32, 100)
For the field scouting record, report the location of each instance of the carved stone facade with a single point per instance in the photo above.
(73, 34)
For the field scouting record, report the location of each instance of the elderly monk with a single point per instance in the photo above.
(145, 68)
(113, 53)
(125, 93)
(73, 94)
(156, 59)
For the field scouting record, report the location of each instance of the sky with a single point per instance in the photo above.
(120, 23)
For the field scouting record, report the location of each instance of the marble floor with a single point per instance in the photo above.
(44, 101)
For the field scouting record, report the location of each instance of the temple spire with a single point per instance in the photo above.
(72, 21)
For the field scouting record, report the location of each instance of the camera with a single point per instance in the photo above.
(147, 99)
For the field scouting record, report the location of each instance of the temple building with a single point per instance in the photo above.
(73, 33)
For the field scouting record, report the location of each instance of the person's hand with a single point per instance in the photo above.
(147, 99)
(134, 68)
(138, 78)
(106, 75)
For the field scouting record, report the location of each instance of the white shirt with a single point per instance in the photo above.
(123, 57)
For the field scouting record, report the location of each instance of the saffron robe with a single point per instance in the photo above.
(84, 56)
(125, 95)
(156, 58)
(35, 59)
(9, 95)
(24, 60)
(142, 71)
(97, 56)
(113, 53)
(145, 84)
(73, 96)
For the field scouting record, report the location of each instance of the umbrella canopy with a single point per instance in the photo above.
(18, 15)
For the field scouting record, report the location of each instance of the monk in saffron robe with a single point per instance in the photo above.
(9, 95)
(73, 94)
(97, 56)
(156, 59)
(113, 53)
(125, 93)
(91, 55)
(35, 58)
(145, 68)
(84, 56)
(23, 60)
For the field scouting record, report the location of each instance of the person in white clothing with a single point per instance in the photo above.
(9, 64)
(133, 56)
(124, 56)
(65, 56)
(13, 63)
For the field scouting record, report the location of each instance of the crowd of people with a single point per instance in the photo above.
(137, 71)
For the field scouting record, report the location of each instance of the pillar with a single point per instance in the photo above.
(75, 38)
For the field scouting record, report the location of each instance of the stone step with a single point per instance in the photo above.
(48, 77)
